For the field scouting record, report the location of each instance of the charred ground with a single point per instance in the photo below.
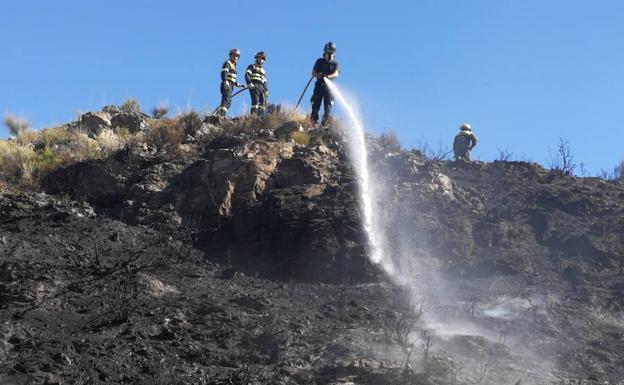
(241, 259)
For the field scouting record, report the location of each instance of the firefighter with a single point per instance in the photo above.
(464, 142)
(228, 81)
(255, 76)
(325, 67)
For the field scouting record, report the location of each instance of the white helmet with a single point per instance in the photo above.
(465, 127)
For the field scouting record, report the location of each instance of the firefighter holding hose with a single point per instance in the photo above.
(325, 67)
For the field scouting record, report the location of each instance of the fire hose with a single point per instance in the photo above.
(304, 91)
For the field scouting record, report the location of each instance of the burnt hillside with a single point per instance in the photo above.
(233, 253)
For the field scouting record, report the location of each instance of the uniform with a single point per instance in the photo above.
(321, 91)
(464, 141)
(255, 76)
(228, 81)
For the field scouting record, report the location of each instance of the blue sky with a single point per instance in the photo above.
(523, 73)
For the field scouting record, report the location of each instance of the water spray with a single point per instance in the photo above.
(356, 144)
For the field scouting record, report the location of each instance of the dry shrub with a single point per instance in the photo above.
(389, 142)
(16, 125)
(189, 122)
(300, 137)
(15, 161)
(160, 111)
(66, 144)
(614, 175)
(22, 165)
(165, 134)
(131, 106)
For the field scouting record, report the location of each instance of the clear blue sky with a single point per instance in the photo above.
(523, 73)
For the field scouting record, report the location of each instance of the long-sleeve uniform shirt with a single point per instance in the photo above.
(321, 92)
(256, 74)
(228, 72)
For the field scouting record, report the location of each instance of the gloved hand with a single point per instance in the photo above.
(240, 85)
(251, 86)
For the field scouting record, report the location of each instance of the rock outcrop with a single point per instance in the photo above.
(267, 206)
(111, 117)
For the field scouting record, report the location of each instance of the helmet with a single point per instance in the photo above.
(329, 47)
(235, 51)
(261, 55)
(465, 127)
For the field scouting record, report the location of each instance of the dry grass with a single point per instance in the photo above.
(275, 117)
(278, 115)
(26, 160)
(300, 137)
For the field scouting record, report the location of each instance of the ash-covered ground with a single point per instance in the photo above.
(243, 261)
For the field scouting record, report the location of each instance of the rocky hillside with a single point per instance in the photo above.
(237, 256)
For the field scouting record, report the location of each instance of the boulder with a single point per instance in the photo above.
(133, 122)
(94, 122)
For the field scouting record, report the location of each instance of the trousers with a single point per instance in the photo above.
(321, 94)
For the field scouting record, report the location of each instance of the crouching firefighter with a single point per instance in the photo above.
(255, 76)
(325, 67)
(228, 82)
(464, 142)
